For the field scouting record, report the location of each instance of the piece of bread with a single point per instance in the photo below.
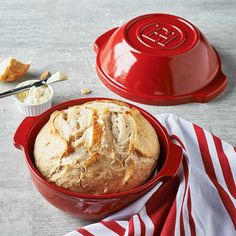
(12, 69)
(98, 147)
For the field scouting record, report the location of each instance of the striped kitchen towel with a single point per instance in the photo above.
(201, 200)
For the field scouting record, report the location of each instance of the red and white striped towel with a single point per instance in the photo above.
(201, 200)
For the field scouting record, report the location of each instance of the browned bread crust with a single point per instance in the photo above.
(12, 69)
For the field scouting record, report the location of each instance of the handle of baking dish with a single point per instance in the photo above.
(101, 40)
(175, 157)
(22, 132)
(212, 90)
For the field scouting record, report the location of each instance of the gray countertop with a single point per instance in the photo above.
(59, 35)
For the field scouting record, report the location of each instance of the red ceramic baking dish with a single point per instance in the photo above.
(85, 205)
(159, 59)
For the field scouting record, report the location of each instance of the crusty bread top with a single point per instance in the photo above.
(98, 147)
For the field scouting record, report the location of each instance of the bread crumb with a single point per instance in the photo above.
(45, 75)
(85, 91)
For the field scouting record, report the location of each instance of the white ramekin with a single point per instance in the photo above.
(33, 110)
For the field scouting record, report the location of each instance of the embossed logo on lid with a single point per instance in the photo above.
(160, 34)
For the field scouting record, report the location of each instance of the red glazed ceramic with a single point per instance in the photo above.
(85, 205)
(159, 59)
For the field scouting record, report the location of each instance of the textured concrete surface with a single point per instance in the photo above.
(59, 35)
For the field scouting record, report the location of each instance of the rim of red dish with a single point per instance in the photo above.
(64, 191)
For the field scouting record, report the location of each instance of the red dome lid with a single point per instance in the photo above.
(159, 59)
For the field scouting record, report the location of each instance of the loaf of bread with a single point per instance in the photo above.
(99, 147)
